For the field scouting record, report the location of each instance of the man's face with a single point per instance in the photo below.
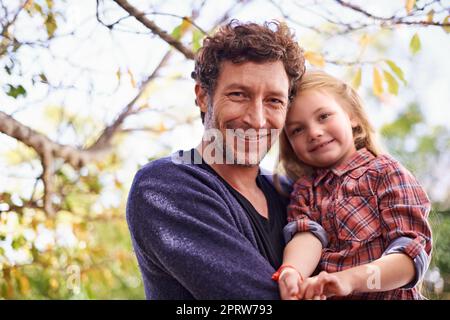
(248, 108)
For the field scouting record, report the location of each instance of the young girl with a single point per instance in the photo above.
(355, 214)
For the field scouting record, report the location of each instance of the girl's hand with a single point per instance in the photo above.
(323, 286)
(289, 284)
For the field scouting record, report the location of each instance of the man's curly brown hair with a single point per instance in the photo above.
(240, 42)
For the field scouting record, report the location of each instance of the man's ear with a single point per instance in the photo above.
(201, 98)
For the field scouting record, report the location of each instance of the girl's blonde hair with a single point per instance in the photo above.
(363, 133)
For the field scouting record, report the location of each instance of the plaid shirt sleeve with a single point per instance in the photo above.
(301, 217)
(404, 208)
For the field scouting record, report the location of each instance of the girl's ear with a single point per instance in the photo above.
(354, 122)
(201, 98)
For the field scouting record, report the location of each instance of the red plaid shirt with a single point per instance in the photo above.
(363, 205)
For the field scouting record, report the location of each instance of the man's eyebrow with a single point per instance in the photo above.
(242, 86)
(236, 86)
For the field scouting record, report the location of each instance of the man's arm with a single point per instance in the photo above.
(187, 225)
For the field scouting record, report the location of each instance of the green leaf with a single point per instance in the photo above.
(197, 36)
(176, 33)
(414, 44)
(427, 144)
(16, 91)
(50, 25)
(8, 69)
(391, 81)
(18, 242)
(397, 70)
(43, 78)
(404, 124)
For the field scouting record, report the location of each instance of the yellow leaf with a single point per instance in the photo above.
(430, 15)
(180, 30)
(391, 81)
(315, 58)
(19, 155)
(446, 21)
(365, 40)
(414, 44)
(185, 25)
(28, 4)
(50, 25)
(161, 127)
(133, 82)
(24, 285)
(54, 283)
(118, 74)
(377, 82)
(409, 5)
(357, 79)
(397, 70)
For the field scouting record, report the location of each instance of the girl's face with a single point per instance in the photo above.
(319, 129)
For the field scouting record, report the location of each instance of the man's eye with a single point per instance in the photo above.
(237, 94)
(277, 102)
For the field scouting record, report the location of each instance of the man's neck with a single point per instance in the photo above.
(240, 177)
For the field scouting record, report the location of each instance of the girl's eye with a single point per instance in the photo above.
(324, 116)
(297, 131)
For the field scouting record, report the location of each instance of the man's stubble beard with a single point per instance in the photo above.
(228, 151)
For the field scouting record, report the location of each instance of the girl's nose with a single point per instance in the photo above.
(314, 133)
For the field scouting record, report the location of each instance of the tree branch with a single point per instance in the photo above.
(49, 150)
(140, 16)
(393, 20)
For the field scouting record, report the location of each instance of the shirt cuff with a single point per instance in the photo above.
(316, 229)
(421, 260)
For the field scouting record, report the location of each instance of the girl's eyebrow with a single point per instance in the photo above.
(288, 123)
(318, 110)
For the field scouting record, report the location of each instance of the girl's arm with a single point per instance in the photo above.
(404, 208)
(386, 273)
(303, 253)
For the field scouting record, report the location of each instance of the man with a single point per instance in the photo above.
(206, 224)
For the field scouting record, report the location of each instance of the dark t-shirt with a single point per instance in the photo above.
(268, 232)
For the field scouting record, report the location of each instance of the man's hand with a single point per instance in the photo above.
(323, 286)
(289, 284)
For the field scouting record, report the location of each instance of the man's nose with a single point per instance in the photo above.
(255, 115)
